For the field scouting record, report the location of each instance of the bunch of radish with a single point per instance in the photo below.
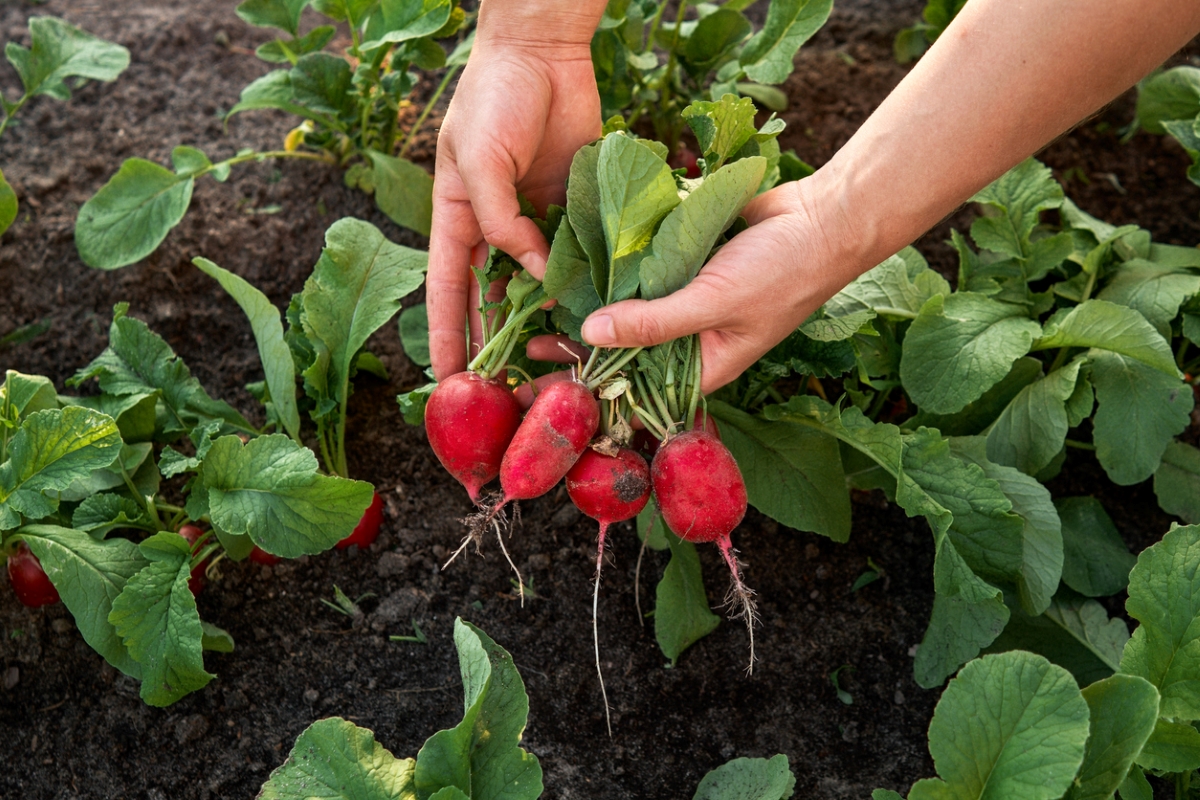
(632, 227)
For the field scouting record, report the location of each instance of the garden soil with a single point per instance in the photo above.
(72, 727)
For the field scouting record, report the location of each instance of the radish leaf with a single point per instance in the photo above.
(282, 14)
(768, 56)
(1172, 747)
(8, 204)
(403, 191)
(1177, 481)
(748, 779)
(1096, 562)
(681, 613)
(59, 51)
(1122, 712)
(131, 214)
(1031, 429)
(332, 757)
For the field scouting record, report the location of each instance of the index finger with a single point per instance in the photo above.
(453, 235)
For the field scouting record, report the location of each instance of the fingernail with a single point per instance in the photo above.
(599, 330)
(534, 264)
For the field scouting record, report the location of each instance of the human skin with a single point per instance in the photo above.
(1001, 82)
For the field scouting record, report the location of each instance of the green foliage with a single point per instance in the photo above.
(350, 120)
(911, 42)
(479, 759)
(648, 65)
(681, 612)
(748, 779)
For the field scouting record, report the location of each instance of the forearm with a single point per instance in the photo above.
(1000, 83)
(546, 24)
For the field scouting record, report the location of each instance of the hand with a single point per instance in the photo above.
(753, 293)
(520, 112)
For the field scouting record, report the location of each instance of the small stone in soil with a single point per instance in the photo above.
(62, 625)
(191, 728)
(12, 676)
(311, 696)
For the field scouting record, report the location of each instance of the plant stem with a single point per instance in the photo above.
(877, 405)
(1079, 445)
(694, 387)
(9, 116)
(1179, 355)
(437, 94)
(147, 502)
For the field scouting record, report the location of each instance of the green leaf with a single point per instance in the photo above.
(650, 527)
(131, 214)
(1041, 537)
(59, 51)
(50, 451)
(891, 289)
(322, 82)
(1020, 195)
(713, 39)
(1140, 410)
(960, 346)
(636, 192)
(583, 211)
(98, 480)
(1164, 596)
(748, 779)
(793, 473)
(270, 490)
(1173, 747)
(215, 639)
(333, 758)
(1010, 725)
(1122, 712)
(721, 127)
(101, 513)
(767, 57)
(569, 273)
(278, 52)
(976, 416)
(459, 55)
(688, 233)
(1096, 561)
(1108, 326)
(273, 90)
(414, 334)
(774, 100)
(273, 352)
(351, 11)
(1177, 481)
(403, 191)
(886, 794)
(283, 14)
(1155, 290)
(412, 404)
(1075, 633)
(1170, 95)
(401, 20)
(27, 394)
(138, 361)
(681, 613)
(8, 204)
(481, 755)
(89, 575)
(1031, 430)
(136, 414)
(1135, 786)
(354, 290)
(155, 615)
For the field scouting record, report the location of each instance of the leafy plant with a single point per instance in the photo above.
(1169, 103)
(1014, 724)
(650, 67)
(350, 103)
(75, 469)
(57, 52)
(911, 42)
(479, 758)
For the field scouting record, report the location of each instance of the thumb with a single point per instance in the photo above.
(494, 200)
(643, 323)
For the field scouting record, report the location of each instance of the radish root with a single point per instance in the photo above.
(595, 624)
(740, 599)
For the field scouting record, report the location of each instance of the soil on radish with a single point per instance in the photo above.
(77, 728)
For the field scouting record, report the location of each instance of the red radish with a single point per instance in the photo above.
(260, 556)
(685, 158)
(549, 441)
(469, 421)
(702, 498)
(196, 582)
(608, 489)
(29, 580)
(367, 528)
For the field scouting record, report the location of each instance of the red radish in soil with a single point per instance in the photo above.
(555, 432)
(608, 489)
(260, 556)
(469, 421)
(702, 497)
(196, 582)
(367, 528)
(29, 580)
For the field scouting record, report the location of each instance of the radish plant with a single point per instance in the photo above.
(912, 42)
(57, 51)
(350, 102)
(1026, 726)
(1169, 103)
(653, 59)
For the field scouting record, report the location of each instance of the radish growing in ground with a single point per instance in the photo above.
(702, 497)
(367, 529)
(470, 421)
(608, 489)
(29, 580)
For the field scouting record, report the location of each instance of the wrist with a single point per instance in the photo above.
(550, 26)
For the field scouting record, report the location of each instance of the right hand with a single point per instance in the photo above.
(520, 112)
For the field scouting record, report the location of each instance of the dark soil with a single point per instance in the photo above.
(74, 728)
